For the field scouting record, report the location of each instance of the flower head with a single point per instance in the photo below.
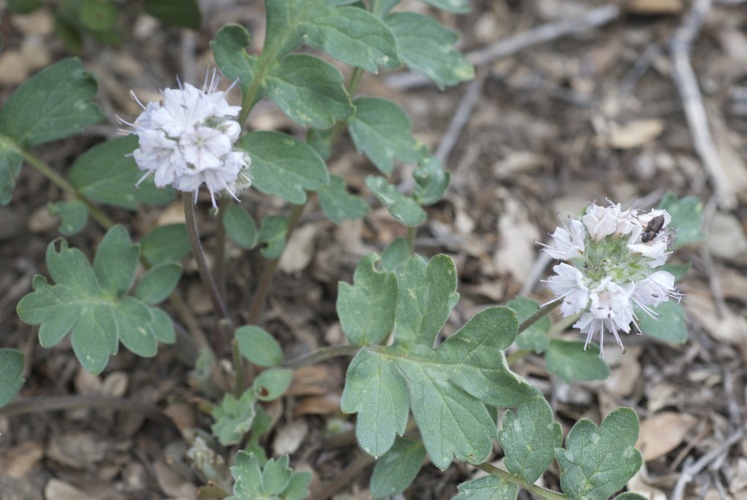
(613, 254)
(188, 140)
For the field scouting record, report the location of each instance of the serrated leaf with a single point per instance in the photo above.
(687, 218)
(395, 256)
(258, 346)
(396, 470)
(73, 215)
(272, 234)
(403, 208)
(432, 181)
(277, 480)
(54, 103)
(338, 204)
(11, 371)
(366, 309)
(310, 91)
(670, 325)
(158, 282)
(165, 243)
(284, 166)
(181, 13)
(529, 439)
(240, 226)
(459, 6)
(487, 488)
(428, 47)
(107, 174)
(597, 462)
(569, 361)
(382, 131)
(272, 383)
(447, 388)
(535, 337)
(89, 301)
(233, 417)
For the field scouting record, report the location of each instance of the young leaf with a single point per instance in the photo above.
(11, 369)
(284, 166)
(271, 384)
(487, 488)
(73, 215)
(427, 47)
(277, 480)
(258, 346)
(165, 243)
(529, 439)
(403, 208)
(432, 181)
(54, 103)
(240, 226)
(569, 361)
(599, 461)
(687, 218)
(158, 283)
(107, 174)
(396, 470)
(338, 204)
(535, 337)
(272, 234)
(310, 91)
(233, 417)
(181, 13)
(89, 301)
(382, 131)
(366, 309)
(669, 325)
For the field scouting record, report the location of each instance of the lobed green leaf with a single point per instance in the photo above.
(277, 480)
(165, 243)
(338, 204)
(396, 470)
(487, 488)
(431, 180)
(569, 361)
(73, 215)
(403, 208)
(233, 417)
(158, 282)
(272, 234)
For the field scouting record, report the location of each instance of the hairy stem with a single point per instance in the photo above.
(540, 313)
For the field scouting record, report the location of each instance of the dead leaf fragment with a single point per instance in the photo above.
(59, 490)
(654, 7)
(635, 134)
(18, 461)
(662, 433)
(299, 250)
(289, 437)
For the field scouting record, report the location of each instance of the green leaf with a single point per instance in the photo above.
(396, 470)
(669, 326)
(54, 103)
(432, 181)
(487, 488)
(382, 131)
(529, 439)
(240, 226)
(73, 215)
(23, 7)
(395, 256)
(165, 243)
(427, 47)
(107, 174)
(460, 6)
(162, 326)
(338, 204)
(99, 17)
(535, 337)
(68, 28)
(158, 282)
(258, 346)
(11, 371)
(90, 302)
(403, 208)
(272, 234)
(181, 13)
(310, 91)
(10, 165)
(366, 309)
(229, 50)
(272, 383)
(599, 461)
(277, 480)
(631, 496)
(569, 361)
(233, 417)
(261, 425)
(284, 166)
(446, 388)
(687, 218)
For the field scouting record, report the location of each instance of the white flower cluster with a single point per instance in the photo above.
(614, 254)
(187, 140)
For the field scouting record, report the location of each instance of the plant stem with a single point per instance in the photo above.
(322, 354)
(220, 253)
(541, 312)
(411, 238)
(509, 478)
(206, 276)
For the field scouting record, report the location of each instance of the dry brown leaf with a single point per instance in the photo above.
(662, 433)
(79, 450)
(59, 490)
(289, 437)
(328, 404)
(172, 483)
(516, 252)
(315, 380)
(623, 378)
(726, 239)
(729, 326)
(18, 461)
(299, 250)
(654, 7)
(635, 134)
(181, 414)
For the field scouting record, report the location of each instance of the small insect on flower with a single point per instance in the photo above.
(652, 229)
